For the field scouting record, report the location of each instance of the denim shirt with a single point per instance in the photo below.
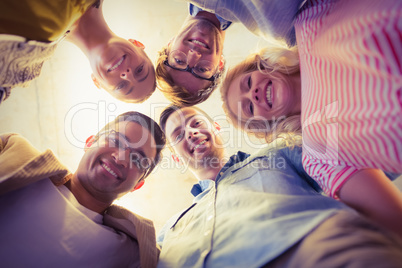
(264, 18)
(224, 23)
(257, 208)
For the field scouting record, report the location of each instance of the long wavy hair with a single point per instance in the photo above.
(270, 60)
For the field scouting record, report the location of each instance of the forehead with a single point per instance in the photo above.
(139, 137)
(180, 117)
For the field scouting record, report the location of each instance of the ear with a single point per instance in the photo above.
(137, 43)
(221, 63)
(217, 126)
(96, 82)
(89, 142)
(138, 185)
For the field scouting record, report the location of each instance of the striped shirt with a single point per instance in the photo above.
(351, 71)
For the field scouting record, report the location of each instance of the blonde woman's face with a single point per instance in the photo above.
(263, 96)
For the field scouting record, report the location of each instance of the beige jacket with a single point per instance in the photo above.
(22, 164)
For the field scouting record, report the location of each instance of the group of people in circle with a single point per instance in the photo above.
(325, 95)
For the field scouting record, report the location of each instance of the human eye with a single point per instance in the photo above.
(198, 123)
(141, 162)
(251, 108)
(114, 141)
(118, 141)
(202, 69)
(139, 69)
(179, 61)
(179, 137)
(249, 82)
(120, 86)
(136, 159)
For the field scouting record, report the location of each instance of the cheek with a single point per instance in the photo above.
(260, 112)
(134, 176)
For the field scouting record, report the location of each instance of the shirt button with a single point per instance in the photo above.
(221, 173)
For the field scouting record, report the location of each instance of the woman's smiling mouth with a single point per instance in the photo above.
(117, 64)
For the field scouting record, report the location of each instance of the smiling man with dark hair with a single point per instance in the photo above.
(53, 218)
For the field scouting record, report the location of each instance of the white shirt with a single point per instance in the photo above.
(44, 227)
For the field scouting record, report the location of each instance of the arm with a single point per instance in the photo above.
(371, 193)
(15, 151)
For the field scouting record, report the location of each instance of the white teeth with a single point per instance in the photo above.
(117, 64)
(199, 144)
(199, 43)
(269, 94)
(109, 170)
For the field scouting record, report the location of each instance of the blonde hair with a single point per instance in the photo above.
(269, 60)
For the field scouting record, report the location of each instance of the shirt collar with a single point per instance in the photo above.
(204, 184)
(193, 10)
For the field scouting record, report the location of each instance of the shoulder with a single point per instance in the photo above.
(138, 228)
(14, 141)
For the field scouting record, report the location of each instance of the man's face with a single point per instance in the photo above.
(117, 161)
(124, 70)
(199, 40)
(193, 137)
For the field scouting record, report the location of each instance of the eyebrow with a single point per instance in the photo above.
(185, 122)
(139, 150)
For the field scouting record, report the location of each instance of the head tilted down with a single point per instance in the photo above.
(192, 134)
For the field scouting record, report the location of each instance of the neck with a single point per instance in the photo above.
(90, 31)
(209, 172)
(84, 197)
(211, 17)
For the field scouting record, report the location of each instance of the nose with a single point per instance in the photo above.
(125, 73)
(191, 133)
(121, 157)
(256, 95)
(193, 57)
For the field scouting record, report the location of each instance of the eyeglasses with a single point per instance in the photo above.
(117, 140)
(203, 69)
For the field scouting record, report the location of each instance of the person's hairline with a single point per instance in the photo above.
(175, 108)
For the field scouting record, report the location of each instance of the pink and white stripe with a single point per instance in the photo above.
(351, 71)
